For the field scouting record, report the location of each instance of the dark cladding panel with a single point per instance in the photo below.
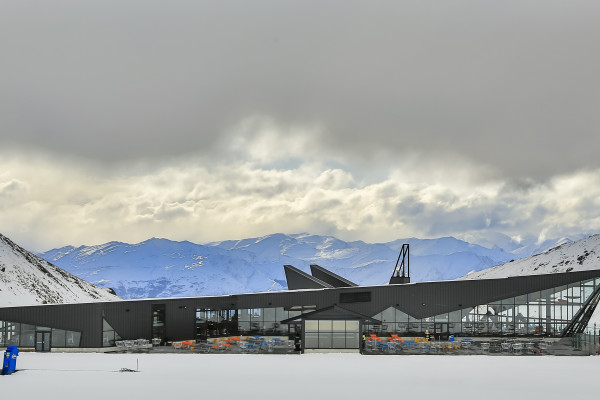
(181, 320)
(130, 319)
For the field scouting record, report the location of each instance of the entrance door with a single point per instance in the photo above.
(331, 334)
(158, 321)
(42, 341)
(441, 331)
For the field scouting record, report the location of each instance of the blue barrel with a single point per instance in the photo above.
(9, 363)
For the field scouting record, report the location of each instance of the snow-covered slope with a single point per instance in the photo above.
(580, 255)
(164, 268)
(26, 279)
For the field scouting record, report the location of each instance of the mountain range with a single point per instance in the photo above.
(165, 268)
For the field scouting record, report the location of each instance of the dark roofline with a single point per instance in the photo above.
(563, 277)
(297, 279)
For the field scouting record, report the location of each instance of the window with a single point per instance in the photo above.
(24, 335)
(218, 323)
(73, 339)
(12, 333)
(542, 313)
(2, 334)
(158, 321)
(59, 338)
(27, 335)
(331, 334)
(109, 335)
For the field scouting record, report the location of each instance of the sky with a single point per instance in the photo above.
(366, 120)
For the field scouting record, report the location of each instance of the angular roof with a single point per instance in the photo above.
(329, 277)
(297, 279)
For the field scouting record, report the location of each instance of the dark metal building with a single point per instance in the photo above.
(324, 309)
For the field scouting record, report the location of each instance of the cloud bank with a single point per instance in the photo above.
(262, 189)
(367, 120)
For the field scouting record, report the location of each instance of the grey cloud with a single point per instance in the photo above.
(410, 206)
(519, 185)
(12, 187)
(511, 84)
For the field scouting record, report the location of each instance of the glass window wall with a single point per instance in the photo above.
(246, 321)
(158, 321)
(540, 313)
(23, 335)
(73, 339)
(331, 334)
(59, 338)
(27, 335)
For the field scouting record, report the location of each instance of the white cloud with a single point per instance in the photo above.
(261, 139)
(12, 189)
(69, 202)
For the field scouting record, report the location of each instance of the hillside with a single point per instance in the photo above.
(26, 279)
(580, 255)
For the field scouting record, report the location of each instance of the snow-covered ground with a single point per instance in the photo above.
(315, 376)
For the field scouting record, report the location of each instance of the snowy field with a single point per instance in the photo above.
(308, 376)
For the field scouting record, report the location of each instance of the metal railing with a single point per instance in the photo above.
(587, 342)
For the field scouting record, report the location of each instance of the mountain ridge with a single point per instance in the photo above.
(159, 267)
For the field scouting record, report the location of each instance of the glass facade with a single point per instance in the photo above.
(27, 335)
(544, 313)
(24, 335)
(158, 321)
(245, 321)
(331, 334)
(109, 335)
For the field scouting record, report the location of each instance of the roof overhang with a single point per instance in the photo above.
(334, 312)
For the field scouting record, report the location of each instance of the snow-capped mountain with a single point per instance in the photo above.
(164, 268)
(583, 254)
(26, 279)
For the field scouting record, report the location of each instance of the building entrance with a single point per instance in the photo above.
(331, 334)
(158, 322)
(441, 331)
(42, 341)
